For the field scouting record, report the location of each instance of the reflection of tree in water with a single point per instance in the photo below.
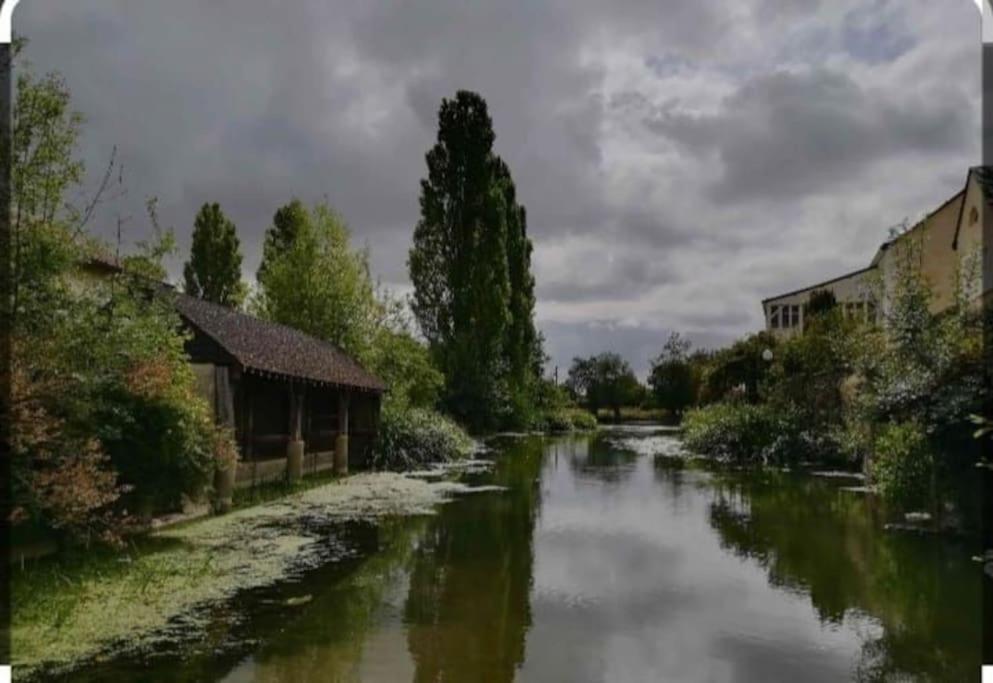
(599, 457)
(810, 536)
(325, 640)
(468, 609)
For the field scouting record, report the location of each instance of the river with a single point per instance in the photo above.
(607, 559)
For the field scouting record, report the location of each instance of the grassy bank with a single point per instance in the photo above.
(69, 610)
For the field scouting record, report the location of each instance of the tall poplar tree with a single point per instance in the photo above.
(213, 272)
(288, 223)
(470, 257)
(522, 348)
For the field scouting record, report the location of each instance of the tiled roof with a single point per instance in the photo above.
(273, 348)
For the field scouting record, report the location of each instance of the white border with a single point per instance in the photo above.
(6, 17)
(987, 674)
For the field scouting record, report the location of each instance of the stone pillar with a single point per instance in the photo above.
(295, 447)
(341, 442)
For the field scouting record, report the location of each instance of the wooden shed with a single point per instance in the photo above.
(297, 404)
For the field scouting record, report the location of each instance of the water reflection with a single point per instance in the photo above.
(468, 607)
(826, 543)
(602, 562)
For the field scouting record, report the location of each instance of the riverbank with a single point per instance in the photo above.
(66, 612)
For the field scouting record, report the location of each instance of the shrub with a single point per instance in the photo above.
(739, 432)
(569, 420)
(903, 464)
(411, 437)
(581, 420)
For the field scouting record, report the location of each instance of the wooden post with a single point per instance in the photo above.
(224, 472)
(249, 431)
(295, 447)
(341, 442)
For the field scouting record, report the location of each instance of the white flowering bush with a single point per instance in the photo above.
(413, 437)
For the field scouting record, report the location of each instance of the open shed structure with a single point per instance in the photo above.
(297, 404)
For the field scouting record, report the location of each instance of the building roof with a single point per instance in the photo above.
(819, 284)
(271, 348)
(257, 345)
(983, 176)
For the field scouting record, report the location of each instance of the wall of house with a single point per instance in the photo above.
(970, 247)
(930, 241)
(856, 293)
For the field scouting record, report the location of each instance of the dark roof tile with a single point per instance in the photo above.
(263, 346)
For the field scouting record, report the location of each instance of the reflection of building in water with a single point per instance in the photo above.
(950, 246)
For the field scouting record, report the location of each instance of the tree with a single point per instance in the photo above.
(320, 285)
(604, 380)
(287, 223)
(821, 301)
(740, 365)
(470, 266)
(672, 377)
(213, 272)
(523, 347)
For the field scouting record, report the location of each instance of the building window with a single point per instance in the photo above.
(774, 317)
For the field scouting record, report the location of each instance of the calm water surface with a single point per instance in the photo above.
(605, 560)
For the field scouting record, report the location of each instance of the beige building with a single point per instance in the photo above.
(947, 245)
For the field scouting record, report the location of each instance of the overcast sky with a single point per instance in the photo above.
(679, 160)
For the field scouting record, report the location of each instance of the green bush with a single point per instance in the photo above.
(569, 420)
(737, 432)
(411, 437)
(903, 463)
(582, 420)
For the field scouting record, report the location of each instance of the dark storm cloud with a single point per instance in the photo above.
(785, 133)
(606, 279)
(638, 228)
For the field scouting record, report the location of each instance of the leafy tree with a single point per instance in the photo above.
(604, 380)
(672, 376)
(523, 345)
(401, 360)
(470, 266)
(214, 269)
(44, 133)
(103, 407)
(320, 285)
(821, 301)
(739, 366)
(287, 223)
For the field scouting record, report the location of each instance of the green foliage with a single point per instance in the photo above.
(404, 363)
(44, 135)
(287, 223)
(739, 367)
(569, 420)
(734, 431)
(672, 378)
(470, 266)
(213, 272)
(103, 406)
(821, 301)
(807, 372)
(412, 437)
(904, 464)
(604, 380)
(320, 285)
(922, 367)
